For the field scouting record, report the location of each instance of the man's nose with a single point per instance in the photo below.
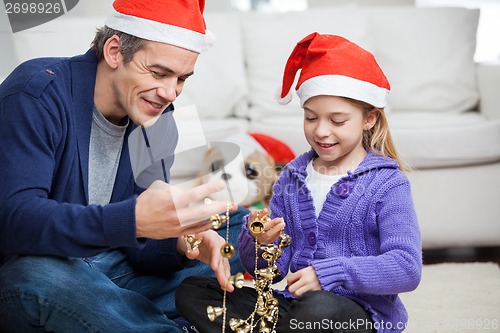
(168, 90)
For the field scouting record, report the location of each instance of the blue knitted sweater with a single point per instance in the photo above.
(365, 244)
(45, 122)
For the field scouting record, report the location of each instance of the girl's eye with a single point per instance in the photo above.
(338, 123)
(310, 118)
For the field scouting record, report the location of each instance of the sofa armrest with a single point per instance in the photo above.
(488, 79)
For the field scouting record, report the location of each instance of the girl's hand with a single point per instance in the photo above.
(303, 281)
(271, 228)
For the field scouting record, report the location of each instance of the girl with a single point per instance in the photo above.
(346, 204)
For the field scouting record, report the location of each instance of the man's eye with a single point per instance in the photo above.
(158, 75)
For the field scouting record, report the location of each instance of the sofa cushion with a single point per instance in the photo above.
(430, 140)
(194, 132)
(427, 54)
(219, 86)
(62, 37)
(424, 139)
(287, 129)
(268, 40)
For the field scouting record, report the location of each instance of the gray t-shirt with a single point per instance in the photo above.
(106, 142)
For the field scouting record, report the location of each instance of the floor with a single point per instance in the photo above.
(482, 254)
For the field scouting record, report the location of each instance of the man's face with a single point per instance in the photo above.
(144, 87)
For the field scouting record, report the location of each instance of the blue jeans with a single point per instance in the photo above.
(99, 294)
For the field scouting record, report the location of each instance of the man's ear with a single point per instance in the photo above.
(111, 51)
(371, 119)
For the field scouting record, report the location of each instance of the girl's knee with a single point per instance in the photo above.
(325, 305)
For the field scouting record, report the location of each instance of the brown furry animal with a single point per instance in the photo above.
(249, 176)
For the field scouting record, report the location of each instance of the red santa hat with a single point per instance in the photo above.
(332, 65)
(279, 151)
(178, 23)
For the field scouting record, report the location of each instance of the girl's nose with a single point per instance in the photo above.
(323, 129)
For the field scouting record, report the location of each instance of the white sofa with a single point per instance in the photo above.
(444, 109)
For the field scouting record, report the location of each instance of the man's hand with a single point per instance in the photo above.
(209, 253)
(165, 211)
(302, 281)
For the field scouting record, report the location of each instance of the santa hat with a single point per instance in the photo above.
(178, 23)
(268, 145)
(332, 65)
(278, 150)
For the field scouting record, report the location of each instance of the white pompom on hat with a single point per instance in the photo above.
(332, 65)
(179, 23)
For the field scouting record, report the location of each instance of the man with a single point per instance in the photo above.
(82, 247)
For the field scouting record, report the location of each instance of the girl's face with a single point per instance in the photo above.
(334, 129)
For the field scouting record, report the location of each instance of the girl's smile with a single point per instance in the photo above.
(326, 146)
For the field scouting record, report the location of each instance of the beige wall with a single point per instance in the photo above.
(315, 3)
(101, 7)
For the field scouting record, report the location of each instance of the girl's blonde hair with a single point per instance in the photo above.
(378, 138)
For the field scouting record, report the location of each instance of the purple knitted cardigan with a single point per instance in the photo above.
(364, 245)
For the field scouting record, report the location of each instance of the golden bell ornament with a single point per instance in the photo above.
(193, 241)
(263, 327)
(235, 323)
(272, 302)
(269, 248)
(266, 273)
(217, 220)
(270, 257)
(257, 226)
(214, 312)
(228, 250)
(259, 284)
(245, 329)
(267, 306)
(285, 240)
(237, 280)
(270, 318)
(261, 310)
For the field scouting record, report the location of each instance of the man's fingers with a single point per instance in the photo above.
(201, 212)
(197, 228)
(223, 273)
(201, 192)
(192, 254)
